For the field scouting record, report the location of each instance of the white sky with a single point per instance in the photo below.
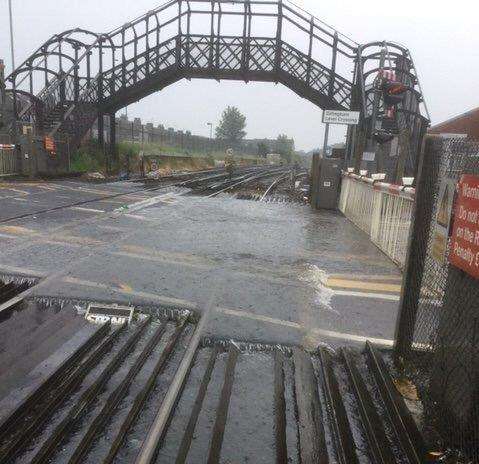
(443, 39)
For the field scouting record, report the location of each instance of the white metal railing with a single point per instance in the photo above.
(382, 210)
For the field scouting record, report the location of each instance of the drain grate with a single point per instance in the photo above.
(115, 314)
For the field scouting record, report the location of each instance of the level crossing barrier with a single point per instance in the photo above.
(381, 210)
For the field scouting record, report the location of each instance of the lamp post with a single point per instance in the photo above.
(12, 48)
(211, 133)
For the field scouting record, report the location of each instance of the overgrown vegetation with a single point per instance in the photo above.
(90, 158)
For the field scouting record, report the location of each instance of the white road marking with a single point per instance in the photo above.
(21, 270)
(231, 312)
(89, 210)
(377, 296)
(146, 203)
(295, 325)
(9, 236)
(149, 296)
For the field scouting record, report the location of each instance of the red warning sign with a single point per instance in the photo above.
(50, 145)
(464, 252)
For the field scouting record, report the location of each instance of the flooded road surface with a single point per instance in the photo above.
(285, 289)
(282, 272)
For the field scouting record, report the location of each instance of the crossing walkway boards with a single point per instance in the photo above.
(239, 402)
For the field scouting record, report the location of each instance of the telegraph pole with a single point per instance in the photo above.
(2, 94)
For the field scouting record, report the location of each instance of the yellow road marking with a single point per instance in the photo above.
(17, 230)
(367, 277)
(71, 240)
(124, 287)
(362, 285)
(21, 192)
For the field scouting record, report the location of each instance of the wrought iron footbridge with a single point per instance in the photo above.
(77, 75)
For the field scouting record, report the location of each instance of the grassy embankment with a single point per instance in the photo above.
(89, 158)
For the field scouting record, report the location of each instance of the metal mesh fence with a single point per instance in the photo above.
(437, 332)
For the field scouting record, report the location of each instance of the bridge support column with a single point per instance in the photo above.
(112, 148)
(101, 130)
(101, 138)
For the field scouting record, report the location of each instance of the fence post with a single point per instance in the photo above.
(417, 246)
(376, 215)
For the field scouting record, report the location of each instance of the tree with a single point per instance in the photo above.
(263, 149)
(231, 126)
(285, 147)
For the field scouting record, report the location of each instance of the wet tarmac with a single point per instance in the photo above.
(278, 273)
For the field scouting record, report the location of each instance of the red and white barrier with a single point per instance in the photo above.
(380, 209)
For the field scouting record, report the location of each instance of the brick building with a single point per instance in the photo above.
(466, 124)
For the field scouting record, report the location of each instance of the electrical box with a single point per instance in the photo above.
(328, 183)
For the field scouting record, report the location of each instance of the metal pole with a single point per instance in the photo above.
(12, 48)
(211, 136)
(326, 137)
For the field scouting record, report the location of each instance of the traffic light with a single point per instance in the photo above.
(393, 92)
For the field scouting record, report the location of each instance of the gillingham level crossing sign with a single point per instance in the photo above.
(341, 117)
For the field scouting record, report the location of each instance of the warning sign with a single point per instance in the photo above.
(443, 220)
(50, 145)
(464, 252)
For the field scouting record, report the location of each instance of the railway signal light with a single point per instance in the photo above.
(393, 92)
(382, 136)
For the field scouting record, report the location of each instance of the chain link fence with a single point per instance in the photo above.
(437, 334)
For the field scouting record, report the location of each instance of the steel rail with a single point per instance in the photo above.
(217, 434)
(58, 376)
(19, 441)
(403, 423)
(274, 184)
(246, 180)
(157, 431)
(143, 395)
(195, 412)
(115, 398)
(279, 409)
(341, 427)
(44, 454)
(379, 446)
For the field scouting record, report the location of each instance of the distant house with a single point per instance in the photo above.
(464, 125)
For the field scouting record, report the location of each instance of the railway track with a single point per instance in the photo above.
(214, 180)
(238, 403)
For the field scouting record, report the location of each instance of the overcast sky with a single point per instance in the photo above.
(443, 39)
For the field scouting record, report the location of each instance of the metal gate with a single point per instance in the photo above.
(8, 157)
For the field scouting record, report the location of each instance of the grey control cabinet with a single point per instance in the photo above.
(327, 183)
